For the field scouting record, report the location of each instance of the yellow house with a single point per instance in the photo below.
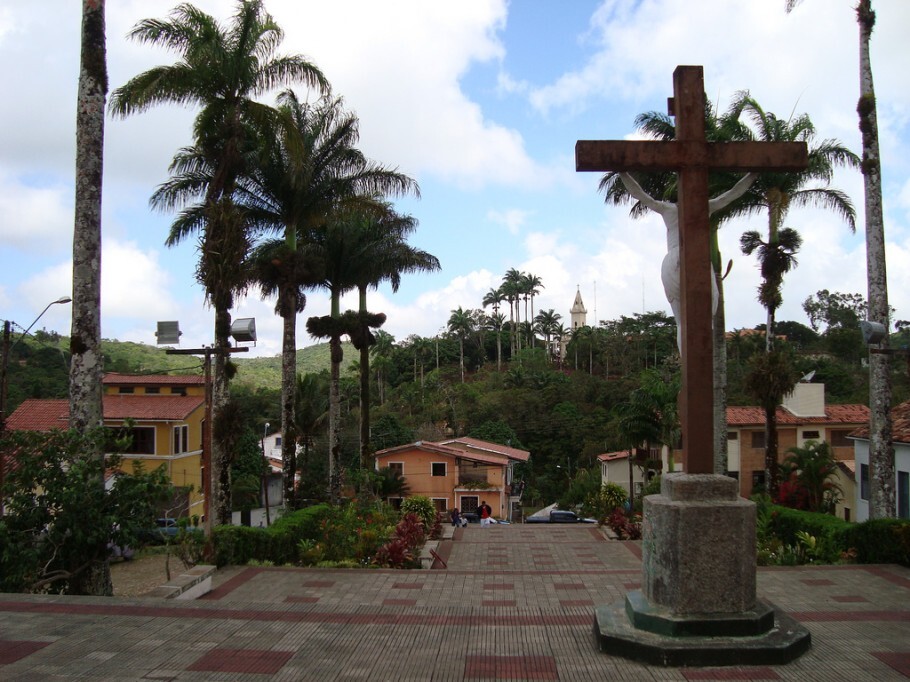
(459, 472)
(166, 415)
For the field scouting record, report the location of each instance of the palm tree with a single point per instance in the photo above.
(531, 286)
(511, 291)
(775, 260)
(546, 323)
(310, 413)
(881, 450)
(222, 70)
(461, 324)
(308, 167)
(382, 353)
(493, 298)
(811, 469)
(771, 376)
(778, 192)
(384, 255)
(86, 364)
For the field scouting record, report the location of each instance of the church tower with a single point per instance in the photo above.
(579, 312)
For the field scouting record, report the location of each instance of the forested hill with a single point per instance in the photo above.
(38, 366)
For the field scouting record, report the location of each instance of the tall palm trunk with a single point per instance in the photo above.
(86, 366)
(720, 381)
(365, 449)
(85, 339)
(288, 309)
(337, 355)
(772, 466)
(881, 449)
(288, 296)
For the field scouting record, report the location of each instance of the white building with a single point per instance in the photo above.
(900, 435)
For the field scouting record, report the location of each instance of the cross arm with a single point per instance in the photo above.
(648, 155)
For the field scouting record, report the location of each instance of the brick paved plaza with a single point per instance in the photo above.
(515, 603)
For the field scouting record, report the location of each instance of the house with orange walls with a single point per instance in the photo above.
(458, 472)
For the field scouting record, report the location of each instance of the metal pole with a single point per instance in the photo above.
(267, 469)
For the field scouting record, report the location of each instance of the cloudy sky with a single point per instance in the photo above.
(482, 103)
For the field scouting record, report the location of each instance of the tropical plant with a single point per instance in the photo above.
(547, 324)
(385, 256)
(493, 298)
(777, 192)
(59, 525)
(310, 413)
(309, 170)
(223, 71)
(461, 324)
(771, 376)
(883, 490)
(806, 475)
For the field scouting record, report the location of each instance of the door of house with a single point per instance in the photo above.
(469, 503)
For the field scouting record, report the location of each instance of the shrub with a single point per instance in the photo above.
(400, 551)
(601, 504)
(421, 506)
(879, 541)
(626, 527)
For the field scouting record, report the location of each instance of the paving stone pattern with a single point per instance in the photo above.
(516, 603)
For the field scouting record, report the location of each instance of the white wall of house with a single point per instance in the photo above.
(901, 474)
(617, 471)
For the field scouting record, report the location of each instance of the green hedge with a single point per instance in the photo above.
(877, 541)
(880, 541)
(238, 545)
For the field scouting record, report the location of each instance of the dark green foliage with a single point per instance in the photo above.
(389, 432)
(786, 522)
(496, 431)
(60, 520)
(238, 545)
(879, 541)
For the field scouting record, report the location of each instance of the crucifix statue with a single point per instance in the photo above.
(692, 156)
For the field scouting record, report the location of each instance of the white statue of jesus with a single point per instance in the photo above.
(669, 269)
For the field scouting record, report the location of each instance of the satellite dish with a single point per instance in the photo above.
(806, 379)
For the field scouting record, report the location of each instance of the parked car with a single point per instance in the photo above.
(164, 530)
(559, 516)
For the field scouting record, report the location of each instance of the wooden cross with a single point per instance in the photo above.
(692, 156)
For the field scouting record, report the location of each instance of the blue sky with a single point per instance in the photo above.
(482, 103)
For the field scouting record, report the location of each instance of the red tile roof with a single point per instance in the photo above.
(834, 415)
(44, 415)
(486, 446)
(613, 456)
(115, 379)
(439, 448)
(40, 415)
(900, 425)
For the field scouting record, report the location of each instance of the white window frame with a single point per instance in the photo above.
(181, 439)
(445, 469)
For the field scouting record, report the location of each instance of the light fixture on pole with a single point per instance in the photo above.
(4, 365)
(171, 330)
(168, 333)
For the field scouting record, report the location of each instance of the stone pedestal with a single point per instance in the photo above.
(698, 546)
(698, 603)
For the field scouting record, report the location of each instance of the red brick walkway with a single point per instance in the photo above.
(516, 603)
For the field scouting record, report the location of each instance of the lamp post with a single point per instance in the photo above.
(266, 470)
(4, 365)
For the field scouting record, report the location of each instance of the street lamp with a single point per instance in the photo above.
(4, 365)
(267, 469)
(8, 349)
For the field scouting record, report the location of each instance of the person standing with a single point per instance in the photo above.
(486, 513)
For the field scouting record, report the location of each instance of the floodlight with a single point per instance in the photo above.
(168, 333)
(244, 329)
(873, 332)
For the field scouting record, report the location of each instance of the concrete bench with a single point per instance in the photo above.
(192, 584)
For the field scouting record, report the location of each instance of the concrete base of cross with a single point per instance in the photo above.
(698, 604)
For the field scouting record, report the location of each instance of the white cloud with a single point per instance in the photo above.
(34, 218)
(512, 219)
